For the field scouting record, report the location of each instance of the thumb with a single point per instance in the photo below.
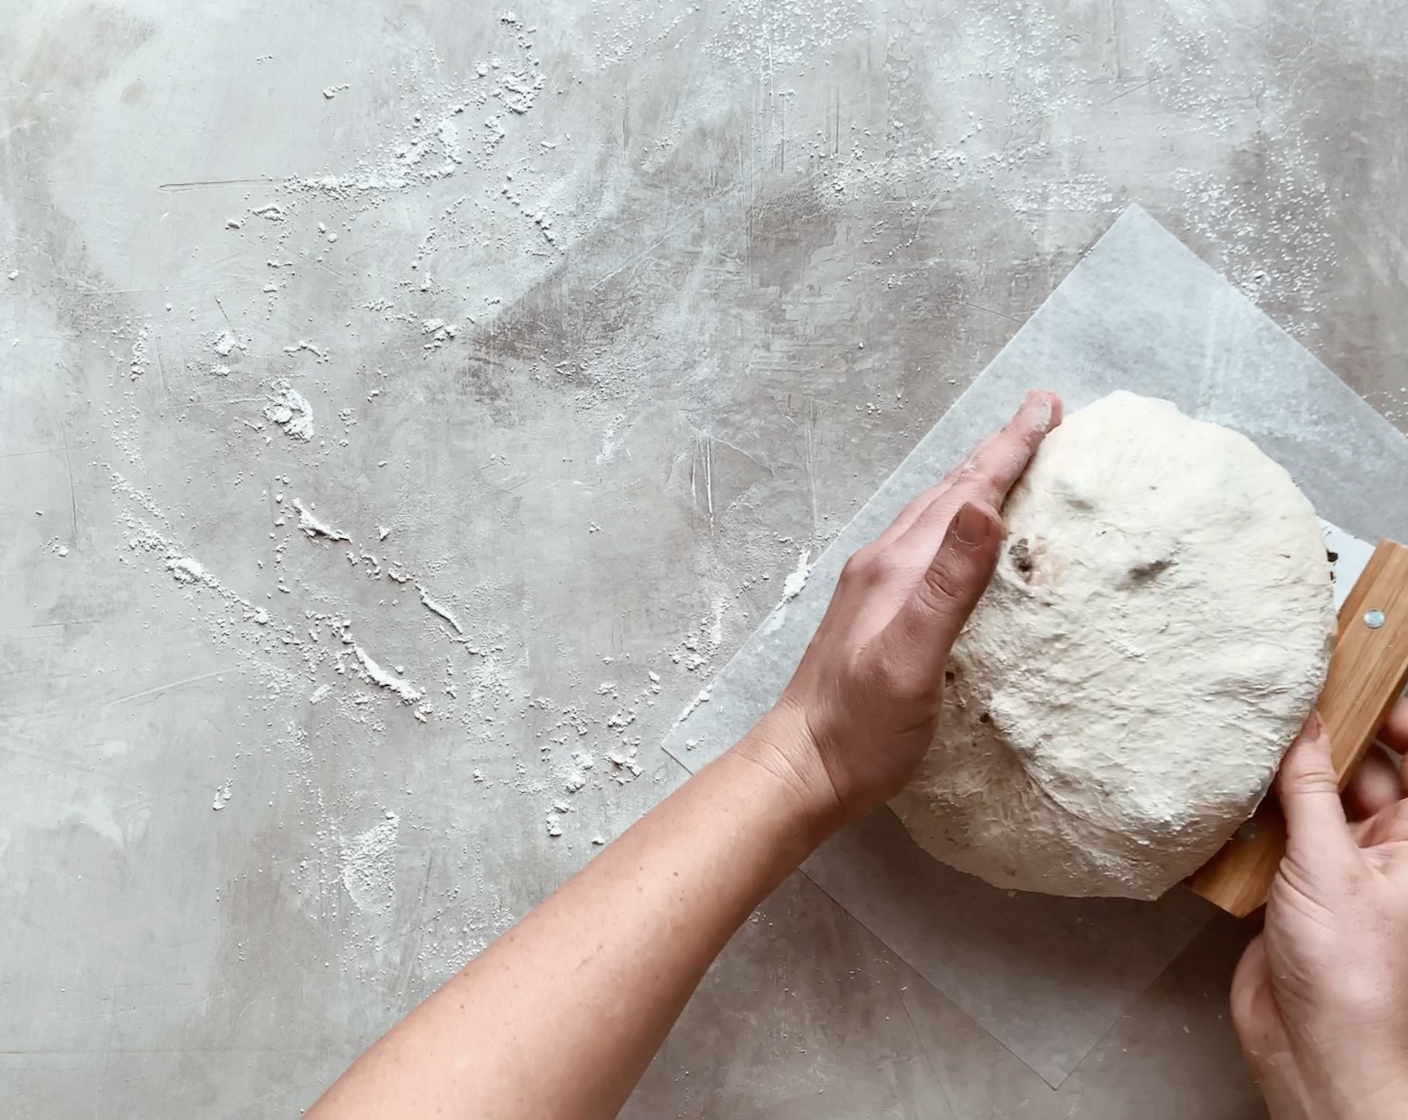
(1310, 795)
(955, 579)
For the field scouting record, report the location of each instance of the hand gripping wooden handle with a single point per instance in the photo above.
(1368, 671)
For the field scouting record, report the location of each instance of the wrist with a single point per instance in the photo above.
(781, 750)
(1389, 1103)
(1370, 1082)
(1290, 1096)
(1381, 1093)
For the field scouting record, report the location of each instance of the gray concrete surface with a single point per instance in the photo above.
(712, 269)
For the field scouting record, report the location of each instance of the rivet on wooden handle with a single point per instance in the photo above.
(1368, 672)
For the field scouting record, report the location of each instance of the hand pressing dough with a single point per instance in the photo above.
(1158, 628)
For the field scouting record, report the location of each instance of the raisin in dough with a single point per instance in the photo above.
(1159, 626)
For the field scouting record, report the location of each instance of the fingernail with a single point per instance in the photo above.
(971, 525)
(1040, 404)
(1314, 726)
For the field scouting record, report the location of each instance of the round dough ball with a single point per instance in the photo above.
(1158, 628)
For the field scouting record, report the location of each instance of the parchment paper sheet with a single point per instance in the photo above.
(1045, 976)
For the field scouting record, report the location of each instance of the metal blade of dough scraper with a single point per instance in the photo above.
(1368, 671)
(1348, 558)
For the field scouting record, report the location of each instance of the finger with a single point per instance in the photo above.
(990, 472)
(1375, 786)
(914, 508)
(1394, 733)
(1002, 458)
(1248, 993)
(1387, 826)
(1310, 797)
(1038, 410)
(933, 613)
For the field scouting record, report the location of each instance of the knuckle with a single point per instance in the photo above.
(1311, 783)
(868, 567)
(854, 571)
(900, 682)
(955, 473)
(943, 585)
(885, 568)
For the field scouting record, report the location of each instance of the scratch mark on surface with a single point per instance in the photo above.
(72, 494)
(1132, 89)
(990, 311)
(169, 685)
(928, 1058)
(208, 184)
(161, 370)
(810, 429)
(708, 449)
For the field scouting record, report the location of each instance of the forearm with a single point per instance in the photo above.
(561, 1016)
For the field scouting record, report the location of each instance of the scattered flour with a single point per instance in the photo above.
(367, 862)
(290, 409)
(797, 579)
(313, 527)
(436, 608)
(703, 698)
(408, 693)
(187, 569)
(302, 344)
(141, 351)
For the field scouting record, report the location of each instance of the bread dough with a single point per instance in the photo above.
(1158, 628)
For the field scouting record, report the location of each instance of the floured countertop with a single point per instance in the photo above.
(404, 415)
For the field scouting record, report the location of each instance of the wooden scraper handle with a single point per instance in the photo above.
(1368, 671)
